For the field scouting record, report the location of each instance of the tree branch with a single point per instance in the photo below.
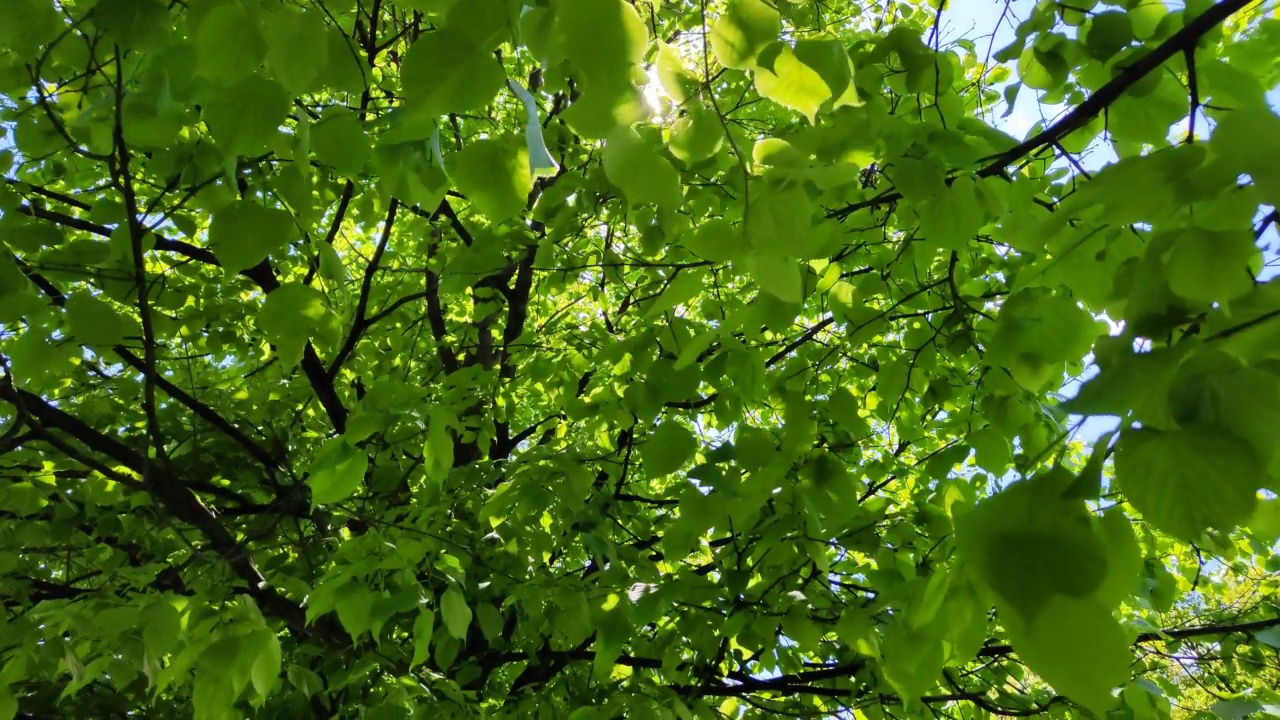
(1182, 41)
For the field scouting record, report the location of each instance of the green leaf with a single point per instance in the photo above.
(1037, 332)
(1078, 648)
(953, 217)
(603, 39)
(916, 179)
(491, 621)
(353, 602)
(1124, 559)
(423, 626)
(346, 71)
(1188, 480)
(486, 22)
(447, 72)
(1129, 382)
(132, 23)
(337, 472)
(1264, 524)
(295, 57)
(687, 284)
(1042, 69)
(245, 233)
(1212, 266)
(1216, 389)
(1270, 636)
(1236, 708)
(778, 276)
(1146, 16)
(784, 78)
(228, 25)
(94, 321)
(667, 449)
(743, 31)
(992, 449)
(1108, 33)
(438, 452)
(265, 672)
(331, 267)
(1028, 545)
(830, 59)
(494, 176)
(456, 613)
(636, 166)
(340, 141)
(679, 83)
(913, 661)
(291, 314)
(715, 239)
(245, 118)
(697, 135)
(410, 174)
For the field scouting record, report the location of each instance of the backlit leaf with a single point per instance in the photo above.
(1188, 480)
(744, 30)
(244, 233)
(446, 71)
(494, 175)
(638, 168)
(667, 449)
(337, 472)
(456, 613)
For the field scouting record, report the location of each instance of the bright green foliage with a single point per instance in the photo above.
(243, 233)
(636, 165)
(448, 72)
(1188, 480)
(494, 174)
(336, 472)
(339, 141)
(744, 29)
(638, 358)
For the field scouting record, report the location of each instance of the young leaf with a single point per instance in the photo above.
(667, 449)
(456, 613)
(447, 72)
(1077, 647)
(245, 233)
(296, 56)
(340, 141)
(94, 321)
(742, 31)
(337, 472)
(638, 168)
(494, 175)
(1188, 480)
(423, 626)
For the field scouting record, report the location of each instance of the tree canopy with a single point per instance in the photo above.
(638, 358)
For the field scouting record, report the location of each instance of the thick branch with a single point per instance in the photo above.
(261, 275)
(172, 495)
(201, 409)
